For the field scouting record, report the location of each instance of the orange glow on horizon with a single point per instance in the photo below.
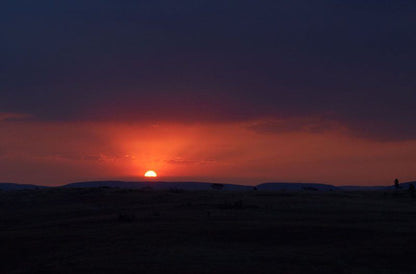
(220, 152)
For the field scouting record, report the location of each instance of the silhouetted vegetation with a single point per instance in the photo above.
(146, 188)
(128, 218)
(113, 231)
(412, 190)
(235, 205)
(176, 190)
(396, 184)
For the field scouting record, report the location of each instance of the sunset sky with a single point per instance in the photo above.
(222, 91)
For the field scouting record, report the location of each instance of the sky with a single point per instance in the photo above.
(221, 91)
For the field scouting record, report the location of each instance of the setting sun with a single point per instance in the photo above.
(150, 174)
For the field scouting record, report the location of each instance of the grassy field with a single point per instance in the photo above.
(131, 231)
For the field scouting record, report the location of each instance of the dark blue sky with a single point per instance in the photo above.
(351, 62)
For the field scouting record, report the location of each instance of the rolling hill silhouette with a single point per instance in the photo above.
(296, 186)
(156, 185)
(14, 186)
(195, 186)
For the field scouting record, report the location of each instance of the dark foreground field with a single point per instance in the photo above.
(126, 231)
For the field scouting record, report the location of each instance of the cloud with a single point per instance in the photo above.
(297, 124)
(12, 116)
(206, 61)
(182, 161)
(386, 130)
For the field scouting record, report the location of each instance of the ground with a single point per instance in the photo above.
(105, 230)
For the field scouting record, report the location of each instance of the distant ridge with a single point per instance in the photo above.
(156, 185)
(364, 188)
(404, 185)
(296, 186)
(268, 186)
(14, 186)
(203, 186)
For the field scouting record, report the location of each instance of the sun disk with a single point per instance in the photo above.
(150, 174)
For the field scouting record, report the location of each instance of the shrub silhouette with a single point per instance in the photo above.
(126, 218)
(176, 190)
(412, 190)
(236, 205)
(146, 188)
(396, 184)
(239, 204)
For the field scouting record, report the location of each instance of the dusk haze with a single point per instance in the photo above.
(277, 101)
(234, 91)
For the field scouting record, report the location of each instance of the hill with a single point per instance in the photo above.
(199, 186)
(296, 186)
(13, 186)
(204, 186)
(156, 185)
